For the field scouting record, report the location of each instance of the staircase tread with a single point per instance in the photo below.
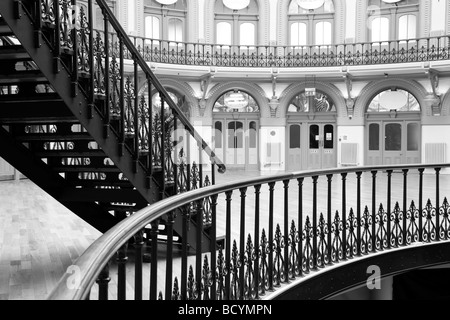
(41, 97)
(55, 137)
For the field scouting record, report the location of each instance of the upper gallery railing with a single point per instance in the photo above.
(157, 133)
(350, 54)
(274, 229)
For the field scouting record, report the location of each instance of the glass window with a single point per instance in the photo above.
(131, 12)
(314, 137)
(223, 33)
(218, 135)
(247, 34)
(175, 30)
(407, 27)
(235, 135)
(393, 137)
(374, 137)
(294, 137)
(438, 13)
(328, 137)
(252, 134)
(398, 99)
(413, 135)
(380, 29)
(236, 101)
(152, 27)
(298, 34)
(311, 22)
(323, 33)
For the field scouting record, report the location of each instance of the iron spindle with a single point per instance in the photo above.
(388, 224)
(421, 170)
(169, 254)
(300, 226)
(329, 179)
(358, 213)
(138, 243)
(122, 259)
(405, 199)
(257, 213)
(242, 244)
(344, 216)
(154, 260)
(374, 209)
(103, 281)
(271, 190)
(122, 99)
(91, 57)
(198, 250)
(228, 245)
(213, 248)
(437, 204)
(106, 110)
(286, 230)
(184, 251)
(150, 130)
(163, 145)
(136, 115)
(314, 216)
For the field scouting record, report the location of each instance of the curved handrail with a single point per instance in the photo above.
(96, 257)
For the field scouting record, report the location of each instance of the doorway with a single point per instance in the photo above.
(393, 142)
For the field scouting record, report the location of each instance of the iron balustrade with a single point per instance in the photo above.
(120, 86)
(271, 230)
(260, 56)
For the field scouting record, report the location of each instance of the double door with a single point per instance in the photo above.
(393, 142)
(236, 141)
(311, 146)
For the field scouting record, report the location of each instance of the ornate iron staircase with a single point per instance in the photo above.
(78, 119)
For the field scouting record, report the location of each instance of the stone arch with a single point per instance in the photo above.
(283, 27)
(263, 25)
(182, 88)
(332, 91)
(446, 104)
(252, 89)
(375, 87)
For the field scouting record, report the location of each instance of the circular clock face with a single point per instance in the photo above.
(236, 4)
(310, 4)
(167, 1)
(391, 1)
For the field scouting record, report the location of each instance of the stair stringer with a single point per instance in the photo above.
(79, 105)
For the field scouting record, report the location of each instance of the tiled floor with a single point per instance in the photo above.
(39, 238)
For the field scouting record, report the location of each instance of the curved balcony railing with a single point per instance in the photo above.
(271, 230)
(351, 54)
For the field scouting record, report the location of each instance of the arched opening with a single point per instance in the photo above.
(393, 130)
(236, 130)
(311, 136)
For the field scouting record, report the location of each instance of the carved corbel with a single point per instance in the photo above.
(205, 81)
(350, 102)
(436, 101)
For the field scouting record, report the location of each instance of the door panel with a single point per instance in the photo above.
(393, 142)
(322, 151)
(314, 154)
(294, 150)
(241, 144)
